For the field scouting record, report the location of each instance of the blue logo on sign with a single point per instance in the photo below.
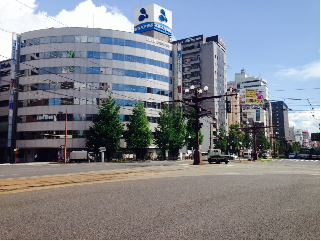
(143, 16)
(162, 17)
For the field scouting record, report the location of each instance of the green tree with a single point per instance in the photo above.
(222, 140)
(235, 137)
(178, 131)
(190, 139)
(246, 138)
(107, 128)
(296, 146)
(138, 135)
(262, 141)
(170, 132)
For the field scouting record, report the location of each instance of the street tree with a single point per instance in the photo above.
(170, 132)
(235, 137)
(262, 141)
(107, 128)
(296, 146)
(222, 140)
(138, 135)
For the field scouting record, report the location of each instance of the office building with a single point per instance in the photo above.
(281, 120)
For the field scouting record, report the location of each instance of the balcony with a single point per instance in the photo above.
(190, 51)
(197, 61)
(195, 70)
(195, 78)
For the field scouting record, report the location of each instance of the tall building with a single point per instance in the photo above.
(280, 118)
(201, 61)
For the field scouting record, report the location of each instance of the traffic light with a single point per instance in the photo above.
(228, 106)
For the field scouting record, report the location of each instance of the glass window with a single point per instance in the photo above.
(138, 45)
(115, 86)
(83, 39)
(127, 58)
(115, 56)
(127, 87)
(148, 47)
(143, 60)
(109, 70)
(77, 39)
(133, 88)
(138, 89)
(122, 118)
(121, 87)
(109, 56)
(102, 70)
(153, 62)
(71, 39)
(115, 42)
(103, 55)
(127, 72)
(65, 39)
(133, 73)
(47, 40)
(58, 70)
(132, 58)
(90, 39)
(162, 50)
(149, 75)
(149, 90)
(162, 64)
(121, 42)
(157, 63)
(96, 70)
(148, 61)
(115, 71)
(121, 72)
(42, 40)
(143, 89)
(83, 70)
(109, 40)
(64, 70)
(121, 57)
(77, 69)
(90, 54)
(133, 44)
(97, 40)
(96, 55)
(103, 40)
(53, 39)
(138, 59)
(154, 76)
(127, 42)
(157, 49)
(153, 48)
(143, 46)
(138, 74)
(90, 70)
(144, 75)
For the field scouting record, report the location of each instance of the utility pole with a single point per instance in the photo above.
(66, 128)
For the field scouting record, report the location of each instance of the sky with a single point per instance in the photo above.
(277, 40)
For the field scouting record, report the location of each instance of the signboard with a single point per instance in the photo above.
(253, 95)
(153, 17)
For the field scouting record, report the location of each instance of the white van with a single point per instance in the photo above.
(247, 154)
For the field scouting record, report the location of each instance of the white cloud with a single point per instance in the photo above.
(301, 73)
(305, 120)
(18, 18)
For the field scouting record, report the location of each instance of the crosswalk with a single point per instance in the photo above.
(297, 160)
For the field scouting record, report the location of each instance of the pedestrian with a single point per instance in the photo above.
(36, 157)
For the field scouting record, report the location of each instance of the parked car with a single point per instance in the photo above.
(204, 156)
(264, 155)
(292, 155)
(233, 156)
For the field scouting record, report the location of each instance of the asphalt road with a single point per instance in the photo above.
(261, 200)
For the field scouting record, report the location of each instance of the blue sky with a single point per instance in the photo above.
(278, 40)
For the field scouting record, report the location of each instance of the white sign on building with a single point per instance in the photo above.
(153, 17)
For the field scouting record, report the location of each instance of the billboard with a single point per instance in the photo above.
(253, 95)
(153, 17)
